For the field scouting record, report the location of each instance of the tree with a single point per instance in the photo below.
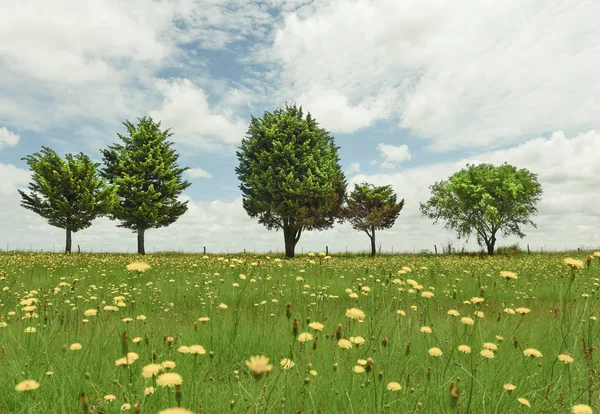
(369, 208)
(68, 192)
(484, 199)
(290, 174)
(148, 179)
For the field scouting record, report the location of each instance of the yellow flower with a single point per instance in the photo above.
(286, 363)
(110, 397)
(394, 386)
(222, 306)
(566, 358)
(183, 349)
(27, 385)
(131, 358)
(453, 312)
(304, 337)
(175, 411)
(510, 387)
(169, 379)
(524, 401)
(523, 311)
(139, 266)
(345, 344)
(356, 314)
(168, 364)
(573, 263)
(486, 353)
(316, 326)
(465, 349)
(358, 369)
(90, 312)
(508, 275)
(204, 319)
(75, 347)
(477, 300)
(491, 346)
(151, 370)
(126, 407)
(426, 330)
(196, 350)
(467, 321)
(435, 352)
(30, 329)
(357, 340)
(149, 391)
(582, 409)
(427, 295)
(532, 352)
(259, 365)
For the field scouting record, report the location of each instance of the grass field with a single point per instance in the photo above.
(394, 334)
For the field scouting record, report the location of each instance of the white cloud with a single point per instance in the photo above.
(186, 111)
(568, 211)
(354, 168)
(7, 138)
(393, 155)
(198, 173)
(463, 75)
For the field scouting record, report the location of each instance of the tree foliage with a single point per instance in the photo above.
(148, 179)
(68, 192)
(369, 208)
(483, 200)
(290, 174)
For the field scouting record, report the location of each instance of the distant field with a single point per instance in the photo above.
(389, 342)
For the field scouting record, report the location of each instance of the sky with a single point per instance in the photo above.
(411, 90)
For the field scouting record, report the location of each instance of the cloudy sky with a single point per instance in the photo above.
(412, 90)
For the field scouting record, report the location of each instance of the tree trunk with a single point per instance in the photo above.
(373, 251)
(68, 243)
(490, 245)
(291, 237)
(140, 241)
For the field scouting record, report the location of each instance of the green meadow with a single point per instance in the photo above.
(342, 334)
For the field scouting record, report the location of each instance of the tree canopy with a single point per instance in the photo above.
(148, 179)
(369, 208)
(483, 200)
(290, 174)
(68, 192)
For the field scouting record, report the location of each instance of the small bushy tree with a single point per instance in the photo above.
(68, 192)
(369, 208)
(484, 200)
(147, 177)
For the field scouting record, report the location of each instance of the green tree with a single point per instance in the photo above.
(68, 192)
(369, 208)
(148, 179)
(290, 174)
(484, 199)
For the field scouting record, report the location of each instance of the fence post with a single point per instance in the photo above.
(435, 248)
(326, 250)
(204, 249)
(528, 251)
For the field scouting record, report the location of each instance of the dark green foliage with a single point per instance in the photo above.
(68, 192)
(290, 174)
(148, 179)
(484, 199)
(369, 208)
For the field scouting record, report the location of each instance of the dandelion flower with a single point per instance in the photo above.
(139, 266)
(148, 371)
(400, 312)
(522, 311)
(427, 295)
(344, 343)
(435, 352)
(508, 275)
(532, 352)
(486, 353)
(304, 337)
(510, 387)
(130, 359)
(204, 319)
(222, 306)
(477, 300)
(524, 401)
(168, 364)
(357, 340)
(178, 410)
(573, 263)
(196, 350)
(358, 369)
(491, 346)
(259, 365)
(582, 409)
(394, 386)
(90, 312)
(183, 349)
(30, 329)
(467, 321)
(110, 397)
(566, 358)
(453, 312)
(286, 363)
(465, 349)
(27, 385)
(75, 347)
(317, 326)
(356, 314)
(140, 318)
(169, 379)
(126, 407)
(149, 391)
(426, 330)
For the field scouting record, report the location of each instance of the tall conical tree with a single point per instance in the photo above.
(148, 179)
(68, 192)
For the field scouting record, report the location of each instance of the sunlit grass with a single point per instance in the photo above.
(314, 334)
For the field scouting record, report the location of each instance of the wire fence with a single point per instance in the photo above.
(331, 249)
